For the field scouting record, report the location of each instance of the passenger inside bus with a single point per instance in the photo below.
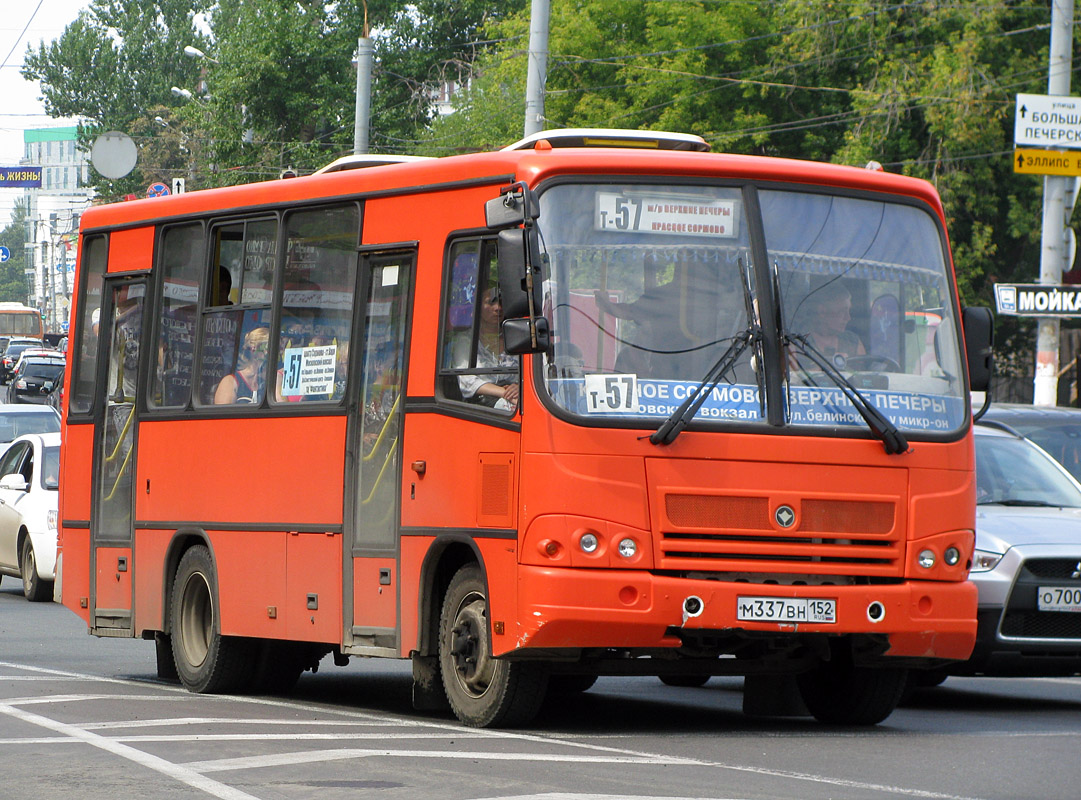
(247, 383)
(497, 389)
(824, 322)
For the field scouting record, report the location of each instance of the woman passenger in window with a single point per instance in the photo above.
(498, 389)
(247, 383)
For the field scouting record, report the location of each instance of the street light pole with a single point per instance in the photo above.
(362, 114)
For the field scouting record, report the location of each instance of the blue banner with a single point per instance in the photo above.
(626, 395)
(20, 177)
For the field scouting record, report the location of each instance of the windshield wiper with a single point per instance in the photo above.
(671, 428)
(893, 440)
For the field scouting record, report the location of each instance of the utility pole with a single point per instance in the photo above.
(537, 71)
(361, 120)
(1055, 240)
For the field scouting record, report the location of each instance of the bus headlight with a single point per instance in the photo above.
(628, 548)
(588, 543)
(926, 559)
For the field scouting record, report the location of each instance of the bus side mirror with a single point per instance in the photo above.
(514, 206)
(979, 329)
(518, 336)
(520, 273)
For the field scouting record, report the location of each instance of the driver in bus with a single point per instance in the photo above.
(828, 312)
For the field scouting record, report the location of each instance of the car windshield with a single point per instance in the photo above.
(50, 471)
(1061, 440)
(650, 286)
(1012, 471)
(17, 423)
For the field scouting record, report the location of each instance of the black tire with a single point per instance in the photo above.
(484, 692)
(838, 693)
(206, 662)
(690, 681)
(34, 588)
(570, 684)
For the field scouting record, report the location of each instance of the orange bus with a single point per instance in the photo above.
(573, 408)
(19, 320)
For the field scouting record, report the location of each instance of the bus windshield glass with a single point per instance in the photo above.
(651, 287)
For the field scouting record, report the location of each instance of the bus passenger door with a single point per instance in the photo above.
(115, 428)
(373, 510)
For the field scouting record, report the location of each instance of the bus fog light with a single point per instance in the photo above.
(876, 611)
(588, 543)
(926, 559)
(951, 556)
(628, 548)
(692, 606)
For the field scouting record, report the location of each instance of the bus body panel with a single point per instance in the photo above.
(375, 592)
(276, 471)
(131, 250)
(74, 550)
(562, 608)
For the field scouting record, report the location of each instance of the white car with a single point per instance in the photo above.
(29, 482)
(17, 419)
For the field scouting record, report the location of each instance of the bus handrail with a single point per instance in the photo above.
(120, 439)
(383, 431)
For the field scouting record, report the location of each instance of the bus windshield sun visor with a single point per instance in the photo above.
(893, 440)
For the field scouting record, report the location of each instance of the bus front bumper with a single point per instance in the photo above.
(579, 608)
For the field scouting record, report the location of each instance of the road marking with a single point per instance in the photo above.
(312, 757)
(176, 771)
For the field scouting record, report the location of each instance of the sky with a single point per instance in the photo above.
(24, 23)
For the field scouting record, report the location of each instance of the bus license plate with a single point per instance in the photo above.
(1058, 598)
(786, 609)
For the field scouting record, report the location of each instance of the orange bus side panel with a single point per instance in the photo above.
(252, 582)
(75, 477)
(131, 250)
(313, 587)
(151, 581)
(375, 602)
(413, 550)
(446, 495)
(75, 583)
(113, 588)
(274, 470)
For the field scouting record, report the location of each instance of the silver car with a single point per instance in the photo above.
(1027, 564)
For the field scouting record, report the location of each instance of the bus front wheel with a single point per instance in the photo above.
(839, 693)
(206, 661)
(483, 691)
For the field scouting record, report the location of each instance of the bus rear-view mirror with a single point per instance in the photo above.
(979, 328)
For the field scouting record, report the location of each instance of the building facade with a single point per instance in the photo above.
(54, 211)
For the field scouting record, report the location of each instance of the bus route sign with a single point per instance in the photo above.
(1038, 300)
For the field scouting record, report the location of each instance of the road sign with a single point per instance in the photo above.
(5, 254)
(1037, 300)
(157, 190)
(1028, 161)
(1043, 120)
(178, 186)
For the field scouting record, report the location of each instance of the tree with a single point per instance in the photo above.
(13, 286)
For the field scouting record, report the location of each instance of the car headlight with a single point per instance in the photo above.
(50, 519)
(984, 560)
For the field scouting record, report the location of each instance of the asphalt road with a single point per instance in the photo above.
(82, 717)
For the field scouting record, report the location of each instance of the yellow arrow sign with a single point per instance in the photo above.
(1030, 161)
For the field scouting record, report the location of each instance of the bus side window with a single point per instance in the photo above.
(84, 354)
(181, 264)
(317, 304)
(473, 366)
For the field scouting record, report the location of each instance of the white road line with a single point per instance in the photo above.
(177, 772)
(312, 757)
(171, 721)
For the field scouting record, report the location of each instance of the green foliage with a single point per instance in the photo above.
(13, 285)
(924, 88)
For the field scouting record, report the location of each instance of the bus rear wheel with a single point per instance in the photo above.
(483, 691)
(839, 693)
(206, 661)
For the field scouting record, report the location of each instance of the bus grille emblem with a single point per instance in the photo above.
(785, 517)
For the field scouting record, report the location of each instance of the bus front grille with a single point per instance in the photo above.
(729, 533)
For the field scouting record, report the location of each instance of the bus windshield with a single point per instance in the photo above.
(650, 286)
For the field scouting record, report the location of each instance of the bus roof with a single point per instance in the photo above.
(501, 167)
